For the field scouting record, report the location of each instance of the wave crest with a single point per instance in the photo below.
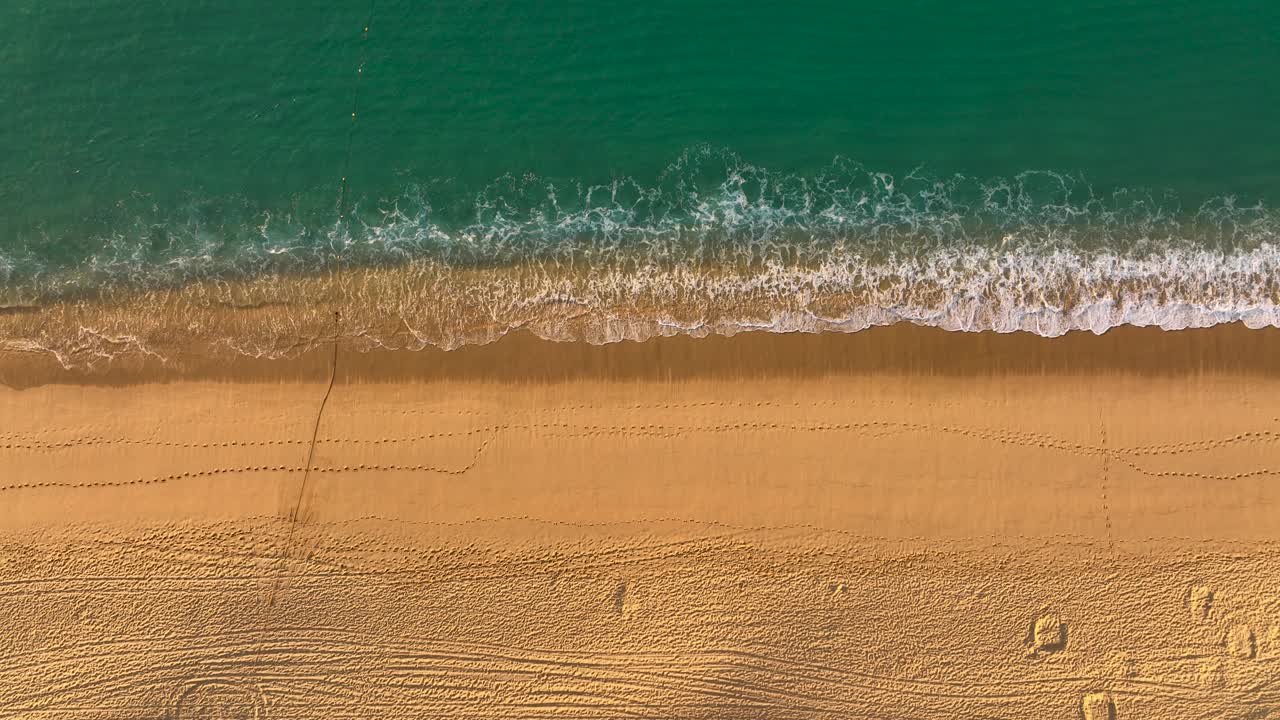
(714, 245)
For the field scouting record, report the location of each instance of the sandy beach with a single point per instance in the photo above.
(897, 523)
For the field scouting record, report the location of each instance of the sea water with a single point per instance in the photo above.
(821, 165)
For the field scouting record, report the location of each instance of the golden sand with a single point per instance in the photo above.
(900, 523)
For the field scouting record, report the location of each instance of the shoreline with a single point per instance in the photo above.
(424, 305)
(520, 357)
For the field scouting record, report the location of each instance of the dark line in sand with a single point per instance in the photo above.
(315, 431)
(311, 454)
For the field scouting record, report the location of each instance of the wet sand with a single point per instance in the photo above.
(898, 523)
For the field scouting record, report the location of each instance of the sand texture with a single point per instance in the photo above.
(902, 523)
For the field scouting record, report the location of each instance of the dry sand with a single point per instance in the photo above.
(900, 523)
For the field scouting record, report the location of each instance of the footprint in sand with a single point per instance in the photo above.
(1048, 633)
(1200, 602)
(1098, 706)
(1241, 641)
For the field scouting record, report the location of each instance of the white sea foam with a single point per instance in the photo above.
(714, 245)
(978, 289)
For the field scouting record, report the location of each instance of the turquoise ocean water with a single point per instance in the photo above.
(1003, 165)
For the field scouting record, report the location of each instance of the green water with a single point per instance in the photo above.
(154, 133)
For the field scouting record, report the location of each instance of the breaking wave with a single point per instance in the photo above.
(713, 245)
